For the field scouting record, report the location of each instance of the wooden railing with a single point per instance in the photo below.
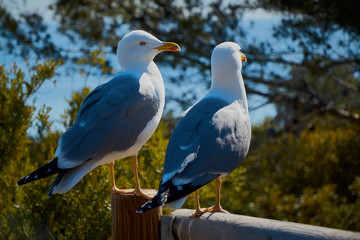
(230, 226)
(127, 224)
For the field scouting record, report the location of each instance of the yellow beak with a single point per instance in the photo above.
(243, 57)
(169, 46)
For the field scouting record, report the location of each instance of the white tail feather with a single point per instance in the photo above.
(73, 176)
(176, 204)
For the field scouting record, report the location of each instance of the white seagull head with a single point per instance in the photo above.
(139, 47)
(226, 79)
(226, 58)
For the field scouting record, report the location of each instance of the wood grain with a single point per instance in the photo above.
(230, 226)
(127, 224)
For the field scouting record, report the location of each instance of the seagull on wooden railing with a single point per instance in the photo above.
(115, 120)
(211, 138)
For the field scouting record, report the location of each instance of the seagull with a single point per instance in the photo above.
(115, 120)
(211, 139)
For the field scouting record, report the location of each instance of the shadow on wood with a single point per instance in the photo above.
(230, 226)
(127, 224)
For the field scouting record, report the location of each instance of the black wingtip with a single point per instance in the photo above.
(22, 181)
(158, 200)
(46, 170)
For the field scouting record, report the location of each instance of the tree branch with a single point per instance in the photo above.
(339, 113)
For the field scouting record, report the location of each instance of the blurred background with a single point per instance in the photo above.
(302, 79)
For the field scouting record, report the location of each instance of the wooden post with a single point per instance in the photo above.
(230, 226)
(127, 224)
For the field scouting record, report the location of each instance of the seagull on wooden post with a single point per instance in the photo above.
(211, 139)
(115, 120)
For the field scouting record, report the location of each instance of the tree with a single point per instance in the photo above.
(16, 116)
(312, 178)
(326, 80)
(318, 38)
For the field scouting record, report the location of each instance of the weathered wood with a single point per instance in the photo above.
(230, 226)
(127, 224)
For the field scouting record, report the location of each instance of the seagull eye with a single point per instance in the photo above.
(142, 43)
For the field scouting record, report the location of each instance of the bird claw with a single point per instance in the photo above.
(140, 193)
(198, 213)
(115, 190)
(136, 192)
(216, 209)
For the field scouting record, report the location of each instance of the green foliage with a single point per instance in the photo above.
(96, 59)
(16, 114)
(312, 178)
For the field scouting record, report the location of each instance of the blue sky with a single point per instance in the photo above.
(69, 80)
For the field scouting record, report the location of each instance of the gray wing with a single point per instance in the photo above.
(110, 119)
(212, 139)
